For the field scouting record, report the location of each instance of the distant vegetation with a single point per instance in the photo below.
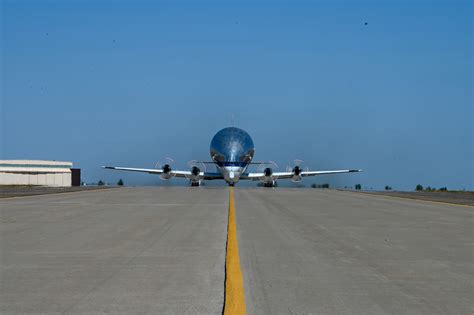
(388, 188)
(101, 183)
(358, 186)
(420, 188)
(120, 182)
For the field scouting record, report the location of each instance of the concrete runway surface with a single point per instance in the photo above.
(162, 250)
(143, 250)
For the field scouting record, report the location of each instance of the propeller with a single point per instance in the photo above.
(196, 168)
(297, 169)
(268, 169)
(166, 166)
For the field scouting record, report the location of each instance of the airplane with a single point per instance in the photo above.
(232, 151)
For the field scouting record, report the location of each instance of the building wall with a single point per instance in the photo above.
(56, 180)
(31, 172)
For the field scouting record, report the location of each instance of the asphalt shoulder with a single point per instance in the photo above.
(459, 198)
(24, 191)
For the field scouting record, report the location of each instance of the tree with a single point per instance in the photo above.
(313, 186)
(388, 188)
(101, 183)
(419, 187)
(120, 182)
(358, 186)
(443, 189)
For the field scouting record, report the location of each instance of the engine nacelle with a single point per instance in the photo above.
(268, 178)
(296, 174)
(268, 172)
(166, 172)
(195, 171)
(297, 170)
(194, 179)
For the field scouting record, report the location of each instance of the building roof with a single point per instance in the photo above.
(34, 166)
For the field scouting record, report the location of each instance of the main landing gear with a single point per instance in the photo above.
(269, 184)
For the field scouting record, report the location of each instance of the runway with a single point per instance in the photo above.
(144, 250)
(333, 252)
(162, 250)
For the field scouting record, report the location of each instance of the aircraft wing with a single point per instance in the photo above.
(157, 171)
(212, 175)
(173, 173)
(313, 173)
(131, 169)
(283, 175)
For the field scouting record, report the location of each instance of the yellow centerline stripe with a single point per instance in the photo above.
(234, 284)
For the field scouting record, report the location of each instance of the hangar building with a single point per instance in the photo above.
(35, 172)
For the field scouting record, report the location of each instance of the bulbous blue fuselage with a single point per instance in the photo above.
(232, 150)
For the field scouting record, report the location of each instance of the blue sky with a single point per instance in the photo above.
(129, 82)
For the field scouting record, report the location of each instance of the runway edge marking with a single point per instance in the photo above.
(234, 302)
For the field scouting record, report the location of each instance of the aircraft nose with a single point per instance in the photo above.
(231, 175)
